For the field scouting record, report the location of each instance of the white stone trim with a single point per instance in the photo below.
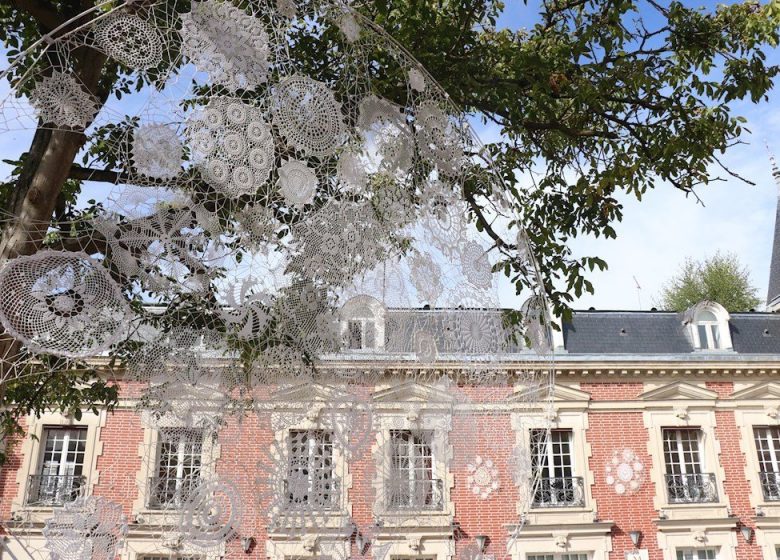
(32, 454)
(677, 414)
(560, 419)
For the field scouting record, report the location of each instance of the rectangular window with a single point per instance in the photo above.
(768, 449)
(361, 334)
(696, 554)
(552, 469)
(685, 480)
(549, 556)
(179, 459)
(411, 484)
(60, 477)
(310, 481)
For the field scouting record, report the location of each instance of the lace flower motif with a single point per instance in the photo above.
(62, 303)
(476, 266)
(625, 472)
(416, 80)
(308, 116)
(90, 527)
(227, 43)
(439, 138)
(157, 151)
(60, 100)
(483, 477)
(131, 40)
(211, 514)
(297, 183)
(232, 146)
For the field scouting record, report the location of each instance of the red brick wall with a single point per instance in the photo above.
(615, 431)
(735, 483)
(612, 391)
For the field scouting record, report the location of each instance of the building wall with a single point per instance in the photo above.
(609, 413)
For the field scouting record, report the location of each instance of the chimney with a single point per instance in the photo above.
(773, 293)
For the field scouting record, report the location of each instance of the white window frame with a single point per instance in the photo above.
(364, 311)
(720, 324)
(184, 459)
(32, 455)
(64, 467)
(704, 553)
(559, 556)
(415, 473)
(328, 473)
(549, 470)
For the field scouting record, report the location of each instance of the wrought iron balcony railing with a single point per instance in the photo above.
(303, 492)
(770, 485)
(559, 492)
(414, 494)
(167, 492)
(698, 488)
(54, 490)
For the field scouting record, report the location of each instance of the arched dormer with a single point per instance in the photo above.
(363, 324)
(708, 326)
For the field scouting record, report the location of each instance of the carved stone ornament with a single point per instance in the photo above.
(561, 541)
(700, 537)
(414, 543)
(310, 543)
(681, 412)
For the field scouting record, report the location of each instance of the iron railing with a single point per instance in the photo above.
(566, 491)
(405, 494)
(170, 492)
(770, 485)
(694, 488)
(54, 490)
(303, 492)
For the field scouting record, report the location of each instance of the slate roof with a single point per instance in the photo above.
(662, 332)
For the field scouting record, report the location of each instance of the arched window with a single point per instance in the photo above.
(708, 330)
(362, 324)
(709, 326)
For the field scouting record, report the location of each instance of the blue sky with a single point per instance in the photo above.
(657, 234)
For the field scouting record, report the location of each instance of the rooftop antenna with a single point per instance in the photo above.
(775, 169)
(638, 292)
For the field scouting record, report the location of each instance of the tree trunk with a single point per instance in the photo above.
(35, 195)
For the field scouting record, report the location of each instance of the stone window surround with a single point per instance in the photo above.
(32, 454)
(435, 417)
(698, 534)
(685, 417)
(309, 416)
(148, 451)
(560, 418)
(593, 539)
(139, 548)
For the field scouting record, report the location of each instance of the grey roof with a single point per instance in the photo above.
(662, 332)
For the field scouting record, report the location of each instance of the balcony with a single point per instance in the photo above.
(414, 495)
(698, 488)
(53, 490)
(315, 494)
(167, 492)
(770, 485)
(559, 492)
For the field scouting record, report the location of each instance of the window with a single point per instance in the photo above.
(685, 481)
(410, 484)
(696, 554)
(768, 449)
(552, 469)
(60, 477)
(310, 481)
(708, 330)
(574, 556)
(361, 334)
(178, 467)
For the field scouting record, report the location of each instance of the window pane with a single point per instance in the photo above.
(703, 341)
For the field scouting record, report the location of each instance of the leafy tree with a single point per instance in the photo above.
(597, 99)
(721, 279)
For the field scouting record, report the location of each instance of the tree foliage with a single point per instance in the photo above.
(598, 98)
(721, 279)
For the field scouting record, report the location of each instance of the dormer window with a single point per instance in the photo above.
(361, 333)
(708, 330)
(708, 324)
(362, 324)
